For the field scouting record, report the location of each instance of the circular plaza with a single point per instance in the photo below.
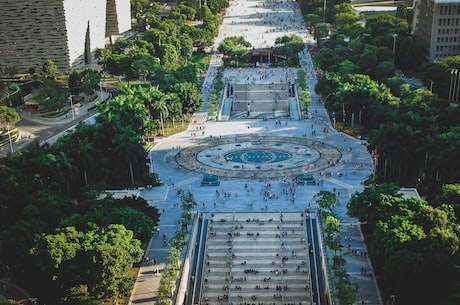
(253, 156)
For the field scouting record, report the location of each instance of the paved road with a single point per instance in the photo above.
(32, 126)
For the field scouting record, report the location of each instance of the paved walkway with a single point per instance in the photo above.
(240, 192)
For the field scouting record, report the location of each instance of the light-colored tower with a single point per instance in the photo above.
(65, 31)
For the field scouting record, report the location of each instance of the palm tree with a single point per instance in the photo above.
(80, 147)
(162, 107)
(152, 96)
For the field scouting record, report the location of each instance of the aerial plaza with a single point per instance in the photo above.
(255, 172)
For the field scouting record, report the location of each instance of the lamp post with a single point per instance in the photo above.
(394, 42)
(394, 47)
(151, 161)
(102, 96)
(71, 107)
(9, 136)
(450, 86)
(431, 85)
(455, 97)
(453, 85)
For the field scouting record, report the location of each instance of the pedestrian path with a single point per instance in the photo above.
(257, 257)
(244, 193)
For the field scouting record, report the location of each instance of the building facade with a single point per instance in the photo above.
(65, 31)
(437, 27)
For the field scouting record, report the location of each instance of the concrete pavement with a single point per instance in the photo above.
(354, 166)
(246, 194)
(344, 178)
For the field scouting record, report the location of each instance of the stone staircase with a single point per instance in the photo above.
(256, 259)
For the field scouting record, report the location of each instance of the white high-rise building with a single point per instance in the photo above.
(65, 31)
(436, 27)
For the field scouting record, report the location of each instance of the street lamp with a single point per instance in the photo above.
(431, 85)
(394, 43)
(71, 107)
(455, 97)
(9, 136)
(102, 96)
(453, 85)
(151, 161)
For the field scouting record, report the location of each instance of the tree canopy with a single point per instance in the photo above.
(414, 244)
(96, 262)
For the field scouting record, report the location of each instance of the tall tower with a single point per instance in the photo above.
(65, 31)
(436, 27)
(118, 17)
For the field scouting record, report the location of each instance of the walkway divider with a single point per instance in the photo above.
(186, 266)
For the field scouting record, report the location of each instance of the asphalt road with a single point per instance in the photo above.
(31, 130)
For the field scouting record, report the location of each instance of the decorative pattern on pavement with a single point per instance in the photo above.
(252, 156)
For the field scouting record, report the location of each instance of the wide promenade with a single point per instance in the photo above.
(241, 191)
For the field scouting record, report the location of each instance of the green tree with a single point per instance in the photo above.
(89, 80)
(145, 65)
(320, 32)
(99, 259)
(81, 149)
(347, 67)
(189, 95)
(448, 170)
(409, 239)
(51, 95)
(169, 55)
(326, 200)
(332, 228)
(118, 133)
(112, 251)
(161, 106)
(234, 47)
(49, 68)
(368, 205)
(186, 47)
(8, 116)
(450, 194)
(74, 82)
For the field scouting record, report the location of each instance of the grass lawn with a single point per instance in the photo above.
(201, 60)
(373, 14)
